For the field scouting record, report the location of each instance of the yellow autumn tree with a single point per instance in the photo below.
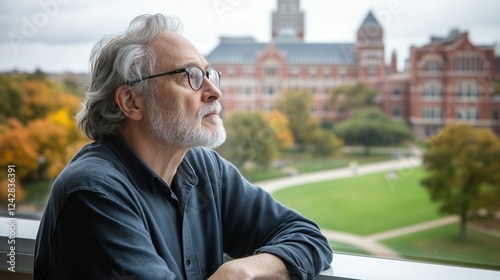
(38, 99)
(17, 148)
(279, 123)
(52, 139)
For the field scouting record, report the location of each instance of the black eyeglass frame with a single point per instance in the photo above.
(182, 70)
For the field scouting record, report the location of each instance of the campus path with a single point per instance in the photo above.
(401, 165)
(368, 243)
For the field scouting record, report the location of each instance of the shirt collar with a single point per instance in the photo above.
(143, 175)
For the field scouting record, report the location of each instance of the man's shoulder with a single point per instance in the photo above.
(92, 165)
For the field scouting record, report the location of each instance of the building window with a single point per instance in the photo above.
(244, 91)
(249, 72)
(396, 92)
(396, 111)
(466, 64)
(494, 114)
(432, 67)
(432, 113)
(270, 90)
(372, 72)
(312, 73)
(342, 73)
(271, 71)
(468, 114)
(468, 90)
(230, 71)
(326, 73)
(432, 90)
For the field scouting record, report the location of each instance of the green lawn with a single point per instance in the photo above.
(363, 205)
(442, 245)
(305, 163)
(370, 204)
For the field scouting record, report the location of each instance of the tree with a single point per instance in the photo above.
(463, 164)
(352, 96)
(296, 106)
(249, 138)
(18, 147)
(324, 143)
(38, 99)
(280, 125)
(10, 94)
(371, 127)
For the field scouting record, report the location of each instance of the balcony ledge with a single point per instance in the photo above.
(344, 266)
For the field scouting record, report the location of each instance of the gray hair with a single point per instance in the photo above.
(119, 60)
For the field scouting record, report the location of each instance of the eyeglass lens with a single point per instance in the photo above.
(196, 77)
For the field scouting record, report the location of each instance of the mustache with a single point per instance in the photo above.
(212, 107)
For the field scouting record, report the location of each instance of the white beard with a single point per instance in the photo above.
(178, 127)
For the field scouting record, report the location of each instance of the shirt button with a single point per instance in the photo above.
(188, 262)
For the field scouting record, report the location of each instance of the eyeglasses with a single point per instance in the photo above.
(196, 76)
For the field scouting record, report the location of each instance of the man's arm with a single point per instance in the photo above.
(260, 266)
(254, 223)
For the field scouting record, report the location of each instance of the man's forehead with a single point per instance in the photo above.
(173, 49)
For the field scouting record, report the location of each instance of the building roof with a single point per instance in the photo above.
(245, 50)
(370, 20)
(450, 39)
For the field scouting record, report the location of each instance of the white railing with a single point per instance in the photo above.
(344, 266)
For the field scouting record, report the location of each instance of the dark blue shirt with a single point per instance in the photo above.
(110, 216)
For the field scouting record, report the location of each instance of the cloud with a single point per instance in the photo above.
(35, 28)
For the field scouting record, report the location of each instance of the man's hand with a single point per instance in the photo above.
(261, 266)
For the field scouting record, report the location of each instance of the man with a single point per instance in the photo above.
(147, 199)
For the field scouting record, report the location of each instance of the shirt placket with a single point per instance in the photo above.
(191, 268)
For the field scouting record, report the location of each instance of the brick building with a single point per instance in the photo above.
(447, 80)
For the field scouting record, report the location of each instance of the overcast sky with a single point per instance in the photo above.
(57, 35)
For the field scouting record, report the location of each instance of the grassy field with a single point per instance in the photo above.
(363, 205)
(304, 163)
(443, 245)
(370, 204)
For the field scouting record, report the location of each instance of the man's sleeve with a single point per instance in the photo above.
(98, 237)
(255, 223)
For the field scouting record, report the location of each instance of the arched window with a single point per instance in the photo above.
(433, 90)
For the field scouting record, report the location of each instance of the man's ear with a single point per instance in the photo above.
(129, 103)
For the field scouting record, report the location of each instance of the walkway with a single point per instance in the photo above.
(401, 164)
(368, 243)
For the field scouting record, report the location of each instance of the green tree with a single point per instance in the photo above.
(38, 74)
(371, 127)
(11, 97)
(324, 143)
(296, 106)
(352, 96)
(249, 138)
(463, 164)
